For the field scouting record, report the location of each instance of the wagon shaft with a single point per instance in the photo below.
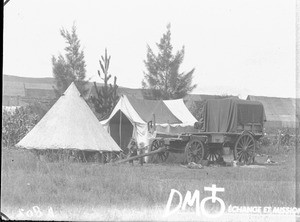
(162, 149)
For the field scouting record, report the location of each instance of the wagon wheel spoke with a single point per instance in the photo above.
(163, 156)
(214, 157)
(244, 150)
(196, 158)
(212, 154)
(244, 156)
(194, 151)
(239, 152)
(240, 155)
(159, 157)
(249, 141)
(242, 141)
(209, 157)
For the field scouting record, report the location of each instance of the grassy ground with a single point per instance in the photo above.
(75, 190)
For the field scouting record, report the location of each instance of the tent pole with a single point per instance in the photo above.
(154, 124)
(120, 129)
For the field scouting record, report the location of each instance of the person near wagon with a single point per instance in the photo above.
(135, 149)
(141, 150)
(132, 147)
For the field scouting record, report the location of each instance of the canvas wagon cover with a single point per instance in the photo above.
(224, 115)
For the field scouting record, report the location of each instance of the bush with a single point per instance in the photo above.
(265, 141)
(278, 140)
(15, 125)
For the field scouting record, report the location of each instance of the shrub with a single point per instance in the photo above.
(15, 125)
(265, 141)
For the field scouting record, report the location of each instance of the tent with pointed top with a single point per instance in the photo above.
(69, 124)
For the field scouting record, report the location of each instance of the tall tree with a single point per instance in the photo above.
(163, 79)
(70, 67)
(106, 96)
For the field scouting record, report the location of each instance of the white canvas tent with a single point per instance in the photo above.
(130, 117)
(69, 124)
(179, 109)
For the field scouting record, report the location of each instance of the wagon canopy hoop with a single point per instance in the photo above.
(194, 151)
(244, 150)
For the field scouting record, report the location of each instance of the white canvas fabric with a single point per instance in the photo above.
(140, 127)
(69, 124)
(179, 109)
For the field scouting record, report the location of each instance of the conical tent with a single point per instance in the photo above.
(69, 124)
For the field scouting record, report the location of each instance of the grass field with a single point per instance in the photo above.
(124, 192)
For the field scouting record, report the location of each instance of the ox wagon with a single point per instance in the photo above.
(233, 123)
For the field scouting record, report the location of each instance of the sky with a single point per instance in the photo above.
(237, 47)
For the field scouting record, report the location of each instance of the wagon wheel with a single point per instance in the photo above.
(213, 154)
(159, 157)
(194, 151)
(244, 149)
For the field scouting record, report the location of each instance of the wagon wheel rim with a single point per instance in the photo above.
(194, 151)
(244, 150)
(159, 157)
(213, 155)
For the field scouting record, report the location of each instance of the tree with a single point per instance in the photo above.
(163, 79)
(106, 96)
(70, 67)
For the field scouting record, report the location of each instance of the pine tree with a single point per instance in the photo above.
(70, 67)
(163, 79)
(106, 96)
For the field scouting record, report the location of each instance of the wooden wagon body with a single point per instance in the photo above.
(237, 124)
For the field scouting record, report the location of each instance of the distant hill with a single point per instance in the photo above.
(47, 80)
(22, 90)
(19, 90)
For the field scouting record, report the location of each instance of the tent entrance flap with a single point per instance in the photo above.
(121, 129)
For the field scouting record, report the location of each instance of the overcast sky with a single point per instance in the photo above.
(237, 47)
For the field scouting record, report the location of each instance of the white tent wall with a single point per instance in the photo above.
(179, 109)
(69, 124)
(140, 128)
(175, 128)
